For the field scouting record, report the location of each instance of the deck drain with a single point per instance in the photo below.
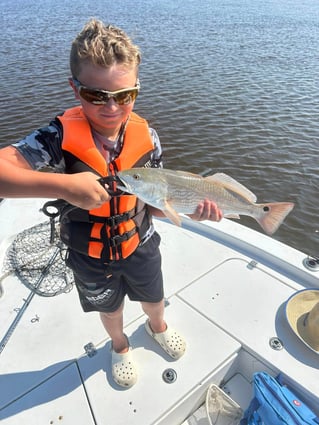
(169, 376)
(276, 344)
(311, 263)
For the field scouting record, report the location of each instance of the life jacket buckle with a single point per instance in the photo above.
(115, 220)
(118, 239)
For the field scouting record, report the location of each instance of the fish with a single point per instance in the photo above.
(179, 192)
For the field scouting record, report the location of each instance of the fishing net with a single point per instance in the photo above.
(37, 257)
(220, 408)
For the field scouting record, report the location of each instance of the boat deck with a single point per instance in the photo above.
(225, 286)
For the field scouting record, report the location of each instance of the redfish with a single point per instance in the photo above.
(180, 192)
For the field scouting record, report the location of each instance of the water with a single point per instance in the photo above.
(230, 85)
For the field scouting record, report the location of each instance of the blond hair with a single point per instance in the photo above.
(103, 45)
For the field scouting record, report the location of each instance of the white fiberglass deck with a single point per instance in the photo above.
(222, 296)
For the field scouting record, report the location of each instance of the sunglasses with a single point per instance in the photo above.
(101, 97)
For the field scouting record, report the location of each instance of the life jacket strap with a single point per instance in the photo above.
(118, 239)
(116, 219)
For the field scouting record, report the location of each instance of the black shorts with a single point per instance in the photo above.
(102, 287)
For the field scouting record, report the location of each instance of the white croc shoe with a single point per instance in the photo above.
(123, 369)
(169, 340)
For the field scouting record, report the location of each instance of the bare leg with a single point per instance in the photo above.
(123, 369)
(168, 338)
(155, 312)
(113, 324)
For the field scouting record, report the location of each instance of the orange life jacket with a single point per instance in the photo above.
(114, 230)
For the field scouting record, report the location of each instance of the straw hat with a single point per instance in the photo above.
(302, 312)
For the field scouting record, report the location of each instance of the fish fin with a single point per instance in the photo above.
(236, 216)
(274, 215)
(171, 214)
(185, 173)
(232, 184)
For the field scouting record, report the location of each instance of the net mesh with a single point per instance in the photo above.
(37, 257)
(220, 408)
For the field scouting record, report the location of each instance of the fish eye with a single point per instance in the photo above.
(136, 176)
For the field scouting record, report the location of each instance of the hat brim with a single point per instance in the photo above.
(297, 307)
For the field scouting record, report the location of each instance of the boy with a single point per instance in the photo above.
(113, 248)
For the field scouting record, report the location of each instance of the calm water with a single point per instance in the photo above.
(230, 85)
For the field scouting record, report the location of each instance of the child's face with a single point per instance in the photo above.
(107, 118)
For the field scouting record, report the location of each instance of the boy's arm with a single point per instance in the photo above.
(18, 180)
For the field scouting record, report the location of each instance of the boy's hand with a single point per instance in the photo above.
(207, 210)
(85, 191)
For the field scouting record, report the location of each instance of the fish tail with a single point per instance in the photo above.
(273, 215)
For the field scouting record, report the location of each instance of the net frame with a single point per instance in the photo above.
(37, 257)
